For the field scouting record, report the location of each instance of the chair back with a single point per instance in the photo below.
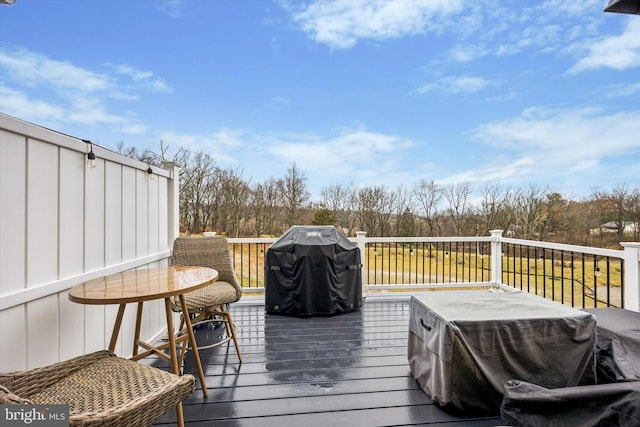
(207, 251)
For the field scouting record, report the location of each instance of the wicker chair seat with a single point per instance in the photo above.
(103, 389)
(214, 295)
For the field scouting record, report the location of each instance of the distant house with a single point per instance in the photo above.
(629, 227)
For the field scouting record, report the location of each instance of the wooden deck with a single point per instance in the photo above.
(344, 370)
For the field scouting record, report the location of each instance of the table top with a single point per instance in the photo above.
(142, 285)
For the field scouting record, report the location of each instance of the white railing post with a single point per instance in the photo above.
(631, 255)
(496, 257)
(173, 201)
(361, 243)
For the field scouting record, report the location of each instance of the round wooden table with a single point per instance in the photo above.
(138, 286)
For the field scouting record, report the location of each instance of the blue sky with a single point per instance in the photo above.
(517, 93)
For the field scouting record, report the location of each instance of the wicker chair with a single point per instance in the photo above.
(209, 304)
(100, 388)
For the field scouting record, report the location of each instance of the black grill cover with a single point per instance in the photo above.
(313, 270)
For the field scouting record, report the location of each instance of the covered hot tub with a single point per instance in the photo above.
(313, 270)
(465, 345)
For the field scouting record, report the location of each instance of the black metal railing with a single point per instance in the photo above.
(573, 275)
(426, 262)
(248, 256)
(573, 278)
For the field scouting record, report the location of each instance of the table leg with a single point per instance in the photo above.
(138, 327)
(116, 328)
(194, 346)
(174, 355)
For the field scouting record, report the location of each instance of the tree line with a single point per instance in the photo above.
(223, 200)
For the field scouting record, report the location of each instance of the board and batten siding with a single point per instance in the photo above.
(62, 223)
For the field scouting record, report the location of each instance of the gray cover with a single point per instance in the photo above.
(464, 345)
(313, 270)
(618, 344)
(610, 405)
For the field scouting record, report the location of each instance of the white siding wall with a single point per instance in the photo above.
(62, 223)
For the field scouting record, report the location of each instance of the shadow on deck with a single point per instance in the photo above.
(344, 370)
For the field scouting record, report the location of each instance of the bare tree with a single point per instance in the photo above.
(634, 212)
(257, 203)
(265, 202)
(428, 195)
(211, 201)
(490, 206)
(350, 217)
(585, 222)
(150, 157)
(507, 216)
(274, 206)
(341, 200)
(457, 195)
(195, 185)
(375, 206)
(556, 213)
(368, 210)
(403, 207)
(147, 156)
(531, 212)
(235, 198)
(222, 200)
(295, 194)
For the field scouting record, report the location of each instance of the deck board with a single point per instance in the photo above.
(345, 370)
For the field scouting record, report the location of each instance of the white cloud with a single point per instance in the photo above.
(340, 24)
(564, 9)
(278, 103)
(134, 129)
(171, 8)
(141, 78)
(501, 171)
(455, 85)
(489, 28)
(483, 27)
(36, 87)
(557, 142)
(224, 145)
(618, 52)
(91, 110)
(159, 86)
(468, 52)
(623, 90)
(134, 73)
(349, 155)
(552, 132)
(19, 104)
(352, 152)
(32, 69)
